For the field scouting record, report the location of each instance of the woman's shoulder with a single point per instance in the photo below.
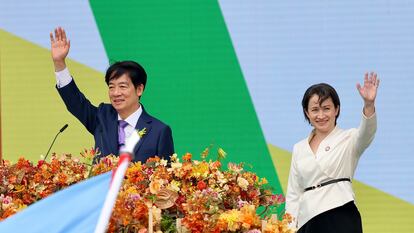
(302, 143)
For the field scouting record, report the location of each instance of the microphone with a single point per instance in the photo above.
(63, 128)
(60, 131)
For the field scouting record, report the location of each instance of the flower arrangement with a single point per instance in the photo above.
(23, 183)
(180, 195)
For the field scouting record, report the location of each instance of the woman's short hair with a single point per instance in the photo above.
(324, 91)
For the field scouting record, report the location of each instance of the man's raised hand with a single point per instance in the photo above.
(59, 46)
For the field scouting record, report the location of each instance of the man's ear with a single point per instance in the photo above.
(140, 90)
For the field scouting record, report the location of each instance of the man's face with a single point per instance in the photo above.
(124, 96)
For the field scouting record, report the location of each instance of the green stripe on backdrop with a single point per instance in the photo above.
(194, 79)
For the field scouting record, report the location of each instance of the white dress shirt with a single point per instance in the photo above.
(336, 157)
(132, 121)
(63, 78)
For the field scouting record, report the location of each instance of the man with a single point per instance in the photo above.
(111, 123)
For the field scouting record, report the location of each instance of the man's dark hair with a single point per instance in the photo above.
(324, 91)
(134, 70)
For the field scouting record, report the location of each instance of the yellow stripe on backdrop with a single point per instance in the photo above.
(32, 111)
(381, 212)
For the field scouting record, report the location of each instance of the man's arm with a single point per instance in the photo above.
(166, 145)
(59, 47)
(74, 100)
(79, 106)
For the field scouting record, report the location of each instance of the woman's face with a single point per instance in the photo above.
(322, 116)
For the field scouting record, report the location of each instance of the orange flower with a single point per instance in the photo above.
(249, 217)
(155, 159)
(215, 165)
(201, 185)
(187, 157)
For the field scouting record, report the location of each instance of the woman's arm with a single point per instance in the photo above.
(368, 93)
(294, 190)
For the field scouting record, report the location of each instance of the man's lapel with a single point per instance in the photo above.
(144, 121)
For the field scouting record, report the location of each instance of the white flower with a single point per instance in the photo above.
(243, 183)
(176, 165)
(163, 162)
(174, 158)
(237, 168)
(226, 187)
(220, 178)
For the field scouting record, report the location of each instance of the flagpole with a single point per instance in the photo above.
(125, 158)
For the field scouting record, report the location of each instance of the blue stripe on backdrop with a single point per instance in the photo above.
(285, 46)
(33, 21)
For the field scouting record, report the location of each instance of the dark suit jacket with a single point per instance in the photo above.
(102, 123)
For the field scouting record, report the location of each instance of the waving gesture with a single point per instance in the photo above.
(59, 48)
(368, 92)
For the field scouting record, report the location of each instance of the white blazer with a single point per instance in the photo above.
(337, 157)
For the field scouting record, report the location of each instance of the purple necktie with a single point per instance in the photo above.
(121, 132)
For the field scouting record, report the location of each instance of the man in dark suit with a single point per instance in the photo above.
(111, 123)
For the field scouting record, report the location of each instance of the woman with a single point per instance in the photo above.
(319, 194)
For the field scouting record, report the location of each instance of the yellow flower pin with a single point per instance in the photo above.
(142, 132)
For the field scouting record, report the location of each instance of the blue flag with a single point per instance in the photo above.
(74, 209)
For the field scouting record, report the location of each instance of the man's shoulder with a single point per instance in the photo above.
(105, 109)
(158, 122)
(105, 106)
(154, 121)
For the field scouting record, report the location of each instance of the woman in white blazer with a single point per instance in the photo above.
(319, 194)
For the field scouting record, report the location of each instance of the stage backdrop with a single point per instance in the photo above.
(229, 73)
